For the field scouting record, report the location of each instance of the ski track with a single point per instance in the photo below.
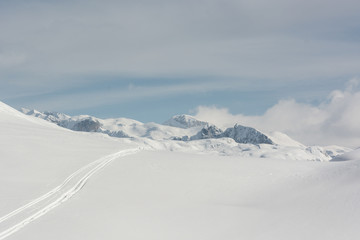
(99, 164)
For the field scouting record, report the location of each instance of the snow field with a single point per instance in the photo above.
(206, 189)
(168, 195)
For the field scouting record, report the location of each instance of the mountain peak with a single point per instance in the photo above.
(240, 134)
(185, 121)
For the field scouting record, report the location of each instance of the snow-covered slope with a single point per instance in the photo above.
(96, 190)
(350, 155)
(283, 139)
(159, 195)
(36, 157)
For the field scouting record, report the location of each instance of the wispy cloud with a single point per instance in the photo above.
(96, 98)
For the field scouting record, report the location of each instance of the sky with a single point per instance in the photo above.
(149, 60)
(334, 121)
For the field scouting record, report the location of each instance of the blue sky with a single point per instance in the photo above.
(149, 60)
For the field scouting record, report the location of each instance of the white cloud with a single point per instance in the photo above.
(248, 39)
(334, 121)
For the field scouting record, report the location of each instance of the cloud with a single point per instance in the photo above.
(333, 121)
(118, 95)
(8, 60)
(249, 39)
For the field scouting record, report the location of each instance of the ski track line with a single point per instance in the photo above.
(64, 197)
(49, 194)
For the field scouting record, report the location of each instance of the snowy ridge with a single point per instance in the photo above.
(196, 136)
(115, 127)
(350, 155)
(283, 139)
(228, 147)
(179, 127)
(185, 121)
(243, 134)
(239, 133)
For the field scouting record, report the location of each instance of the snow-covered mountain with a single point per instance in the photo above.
(179, 127)
(183, 125)
(186, 133)
(240, 134)
(185, 121)
(80, 123)
(115, 127)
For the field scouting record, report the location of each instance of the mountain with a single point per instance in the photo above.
(240, 134)
(126, 128)
(169, 130)
(243, 134)
(82, 123)
(185, 121)
(192, 135)
(115, 127)
(208, 132)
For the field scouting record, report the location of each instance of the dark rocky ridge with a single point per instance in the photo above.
(240, 134)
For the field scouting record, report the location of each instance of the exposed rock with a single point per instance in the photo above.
(208, 132)
(243, 134)
(87, 125)
(239, 133)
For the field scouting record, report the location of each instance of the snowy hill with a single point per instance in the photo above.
(37, 156)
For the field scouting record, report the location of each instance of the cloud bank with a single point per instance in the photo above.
(271, 40)
(335, 121)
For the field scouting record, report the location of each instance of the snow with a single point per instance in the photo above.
(209, 138)
(167, 195)
(58, 195)
(36, 156)
(59, 184)
(283, 139)
(185, 121)
(117, 127)
(351, 155)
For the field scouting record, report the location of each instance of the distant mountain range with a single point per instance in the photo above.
(186, 132)
(170, 129)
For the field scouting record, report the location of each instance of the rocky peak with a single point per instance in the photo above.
(185, 121)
